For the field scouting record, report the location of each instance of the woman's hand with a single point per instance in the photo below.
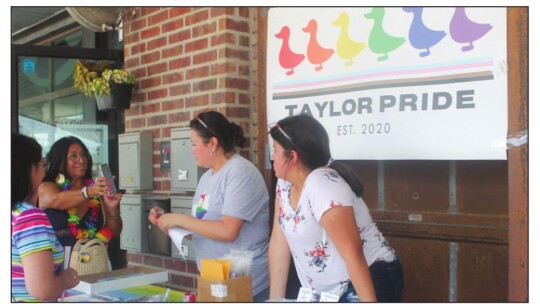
(70, 278)
(155, 213)
(169, 220)
(99, 187)
(112, 200)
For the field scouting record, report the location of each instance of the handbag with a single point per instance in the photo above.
(89, 256)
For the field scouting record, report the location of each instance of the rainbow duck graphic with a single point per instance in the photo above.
(464, 30)
(420, 36)
(316, 54)
(200, 211)
(287, 58)
(381, 42)
(346, 47)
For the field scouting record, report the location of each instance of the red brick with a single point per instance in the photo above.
(132, 111)
(153, 261)
(172, 51)
(179, 63)
(138, 48)
(223, 38)
(180, 36)
(239, 54)
(197, 101)
(197, 73)
(205, 57)
(150, 32)
(222, 68)
(223, 97)
(221, 11)
(179, 117)
(166, 184)
(157, 94)
(196, 45)
(134, 257)
(243, 98)
(150, 108)
(158, 18)
(192, 267)
(132, 62)
(137, 123)
(131, 38)
(150, 57)
(136, 25)
(172, 25)
(180, 89)
(243, 70)
(237, 112)
(157, 171)
(203, 29)
(240, 26)
(244, 41)
(150, 83)
(205, 85)
(156, 43)
(174, 77)
(177, 11)
(140, 73)
(172, 105)
(237, 83)
(244, 12)
(156, 187)
(183, 281)
(148, 10)
(197, 17)
(158, 68)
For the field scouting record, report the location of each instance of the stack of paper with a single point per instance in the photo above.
(215, 269)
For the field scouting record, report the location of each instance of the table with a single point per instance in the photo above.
(143, 293)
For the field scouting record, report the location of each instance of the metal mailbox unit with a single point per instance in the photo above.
(182, 204)
(135, 161)
(184, 171)
(134, 234)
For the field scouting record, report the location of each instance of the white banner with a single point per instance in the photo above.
(393, 83)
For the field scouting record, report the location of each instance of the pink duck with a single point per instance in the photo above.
(287, 58)
(316, 54)
(464, 30)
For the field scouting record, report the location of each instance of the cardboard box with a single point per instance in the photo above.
(229, 290)
(121, 278)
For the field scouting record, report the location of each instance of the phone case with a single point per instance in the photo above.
(105, 171)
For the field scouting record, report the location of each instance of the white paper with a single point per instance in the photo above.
(177, 235)
(67, 256)
(218, 290)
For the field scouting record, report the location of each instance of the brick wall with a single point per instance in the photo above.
(188, 60)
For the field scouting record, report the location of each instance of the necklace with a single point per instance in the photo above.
(73, 220)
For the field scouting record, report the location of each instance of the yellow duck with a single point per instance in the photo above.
(346, 47)
(379, 41)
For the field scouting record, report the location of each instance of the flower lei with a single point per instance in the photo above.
(103, 234)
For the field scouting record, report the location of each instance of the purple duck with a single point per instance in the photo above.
(464, 30)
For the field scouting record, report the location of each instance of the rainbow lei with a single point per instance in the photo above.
(104, 233)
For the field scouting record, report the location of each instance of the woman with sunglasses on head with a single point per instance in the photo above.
(230, 206)
(323, 222)
(77, 206)
(37, 256)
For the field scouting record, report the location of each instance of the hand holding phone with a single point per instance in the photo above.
(105, 171)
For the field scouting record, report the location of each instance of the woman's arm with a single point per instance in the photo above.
(279, 258)
(340, 224)
(40, 280)
(111, 211)
(51, 197)
(226, 229)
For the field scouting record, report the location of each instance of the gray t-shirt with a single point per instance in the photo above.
(236, 190)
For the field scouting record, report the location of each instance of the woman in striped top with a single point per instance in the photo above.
(36, 255)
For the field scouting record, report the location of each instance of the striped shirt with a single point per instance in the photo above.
(31, 232)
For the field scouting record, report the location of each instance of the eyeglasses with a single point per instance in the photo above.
(205, 126)
(74, 156)
(276, 125)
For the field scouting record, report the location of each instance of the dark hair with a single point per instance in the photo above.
(310, 140)
(215, 124)
(25, 153)
(57, 158)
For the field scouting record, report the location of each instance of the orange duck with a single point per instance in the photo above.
(316, 54)
(287, 58)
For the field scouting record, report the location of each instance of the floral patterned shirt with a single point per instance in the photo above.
(318, 263)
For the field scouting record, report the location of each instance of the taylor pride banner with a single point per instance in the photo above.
(393, 83)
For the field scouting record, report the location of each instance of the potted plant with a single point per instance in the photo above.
(111, 86)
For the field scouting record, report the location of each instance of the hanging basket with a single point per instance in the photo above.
(120, 98)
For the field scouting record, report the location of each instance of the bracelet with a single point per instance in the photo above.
(112, 215)
(85, 193)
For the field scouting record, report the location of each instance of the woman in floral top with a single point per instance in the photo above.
(322, 221)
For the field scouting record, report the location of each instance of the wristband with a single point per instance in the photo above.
(85, 193)
(104, 234)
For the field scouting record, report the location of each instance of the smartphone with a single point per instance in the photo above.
(105, 171)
